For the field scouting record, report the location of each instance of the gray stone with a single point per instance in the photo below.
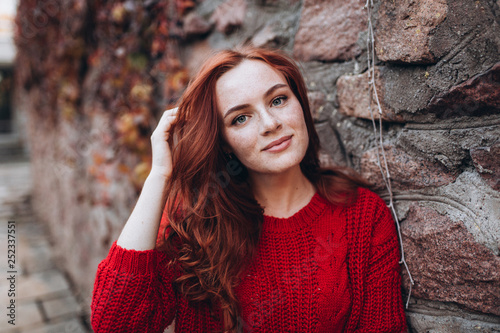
(477, 96)
(403, 30)
(323, 76)
(424, 313)
(353, 93)
(421, 323)
(447, 264)
(330, 144)
(467, 200)
(278, 3)
(409, 92)
(356, 136)
(446, 142)
(473, 202)
(487, 162)
(321, 109)
(407, 171)
(406, 91)
(466, 24)
(269, 37)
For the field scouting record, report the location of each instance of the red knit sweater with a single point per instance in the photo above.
(325, 269)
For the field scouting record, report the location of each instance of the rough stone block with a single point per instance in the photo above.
(474, 97)
(459, 87)
(404, 28)
(278, 3)
(421, 323)
(407, 172)
(330, 143)
(444, 143)
(487, 163)
(329, 30)
(447, 264)
(195, 25)
(321, 109)
(466, 23)
(470, 200)
(353, 93)
(265, 37)
(229, 15)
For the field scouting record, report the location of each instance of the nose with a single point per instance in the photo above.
(269, 122)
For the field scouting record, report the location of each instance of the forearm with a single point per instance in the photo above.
(141, 229)
(133, 292)
(383, 307)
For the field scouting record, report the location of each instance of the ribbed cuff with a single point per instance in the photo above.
(133, 261)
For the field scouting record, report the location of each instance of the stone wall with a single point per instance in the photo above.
(94, 75)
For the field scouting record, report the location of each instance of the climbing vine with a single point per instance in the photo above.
(381, 157)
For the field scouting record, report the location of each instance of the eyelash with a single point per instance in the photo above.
(235, 120)
(282, 98)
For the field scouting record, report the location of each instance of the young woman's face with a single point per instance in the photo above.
(263, 120)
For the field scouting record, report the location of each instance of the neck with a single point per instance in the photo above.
(283, 194)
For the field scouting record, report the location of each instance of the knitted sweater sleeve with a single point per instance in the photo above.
(133, 292)
(381, 304)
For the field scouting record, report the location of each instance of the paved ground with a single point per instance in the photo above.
(44, 299)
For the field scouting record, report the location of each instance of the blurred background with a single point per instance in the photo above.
(7, 55)
(83, 83)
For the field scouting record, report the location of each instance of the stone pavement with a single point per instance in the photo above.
(44, 299)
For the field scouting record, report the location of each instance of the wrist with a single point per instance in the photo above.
(159, 173)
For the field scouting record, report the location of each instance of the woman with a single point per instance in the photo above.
(255, 235)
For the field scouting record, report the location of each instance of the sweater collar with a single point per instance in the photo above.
(297, 221)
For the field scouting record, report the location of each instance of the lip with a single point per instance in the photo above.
(278, 145)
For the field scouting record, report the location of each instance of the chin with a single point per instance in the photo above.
(280, 165)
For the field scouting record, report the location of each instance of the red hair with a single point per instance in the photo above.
(215, 221)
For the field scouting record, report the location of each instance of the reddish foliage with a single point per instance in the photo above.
(117, 55)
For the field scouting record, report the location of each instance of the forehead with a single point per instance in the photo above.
(250, 78)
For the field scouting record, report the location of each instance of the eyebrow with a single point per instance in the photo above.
(244, 106)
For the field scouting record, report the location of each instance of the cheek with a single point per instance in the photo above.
(240, 143)
(297, 121)
(295, 114)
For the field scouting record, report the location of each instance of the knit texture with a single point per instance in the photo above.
(327, 268)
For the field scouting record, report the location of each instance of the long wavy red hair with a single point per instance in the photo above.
(214, 219)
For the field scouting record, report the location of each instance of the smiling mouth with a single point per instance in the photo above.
(278, 145)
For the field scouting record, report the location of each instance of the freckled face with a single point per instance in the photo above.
(263, 120)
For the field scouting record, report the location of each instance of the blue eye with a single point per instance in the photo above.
(278, 101)
(240, 119)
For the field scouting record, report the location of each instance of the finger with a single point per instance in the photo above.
(167, 120)
(170, 111)
(169, 115)
(170, 121)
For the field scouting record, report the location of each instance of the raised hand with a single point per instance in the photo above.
(162, 143)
